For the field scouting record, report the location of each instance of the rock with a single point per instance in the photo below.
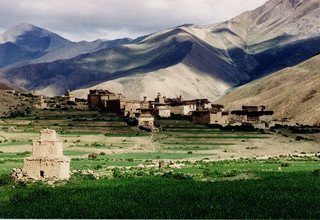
(140, 166)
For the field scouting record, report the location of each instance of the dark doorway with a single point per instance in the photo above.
(41, 173)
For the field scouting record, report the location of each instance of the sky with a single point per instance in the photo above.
(110, 19)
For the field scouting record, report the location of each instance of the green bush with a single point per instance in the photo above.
(316, 172)
(285, 164)
(5, 179)
(98, 167)
(178, 176)
(116, 173)
(211, 173)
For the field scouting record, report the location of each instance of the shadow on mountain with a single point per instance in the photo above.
(12, 53)
(96, 67)
(279, 56)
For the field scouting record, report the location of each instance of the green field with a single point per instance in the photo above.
(271, 195)
(128, 183)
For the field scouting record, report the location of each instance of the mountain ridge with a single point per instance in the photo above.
(279, 34)
(32, 44)
(293, 92)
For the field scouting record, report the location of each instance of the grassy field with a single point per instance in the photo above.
(207, 172)
(272, 195)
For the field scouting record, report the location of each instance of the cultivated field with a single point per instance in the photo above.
(205, 172)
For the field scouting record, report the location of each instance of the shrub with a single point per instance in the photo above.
(178, 176)
(285, 164)
(5, 179)
(116, 173)
(189, 152)
(98, 167)
(208, 173)
(93, 156)
(316, 172)
(21, 184)
(80, 176)
(231, 173)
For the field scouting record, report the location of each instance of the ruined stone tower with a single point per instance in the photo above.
(47, 160)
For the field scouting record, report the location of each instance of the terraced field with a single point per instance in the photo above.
(184, 171)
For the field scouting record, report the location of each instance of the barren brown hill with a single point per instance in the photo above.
(8, 86)
(293, 93)
(12, 104)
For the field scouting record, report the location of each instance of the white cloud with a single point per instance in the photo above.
(92, 19)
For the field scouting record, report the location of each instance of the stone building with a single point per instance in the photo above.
(97, 98)
(69, 97)
(39, 102)
(162, 111)
(178, 106)
(257, 116)
(47, 160)
(215, 115)
(146, 120)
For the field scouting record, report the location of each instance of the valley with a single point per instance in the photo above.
(182, 156)
(212, 121)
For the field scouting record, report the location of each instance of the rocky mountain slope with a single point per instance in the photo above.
(293, 92)
(191, 60)
(25, 44)
(8, 86)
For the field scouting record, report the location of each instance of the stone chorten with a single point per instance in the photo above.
(47, 160)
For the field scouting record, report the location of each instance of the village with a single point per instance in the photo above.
(57, 142)
(48, 161)
(201, 110)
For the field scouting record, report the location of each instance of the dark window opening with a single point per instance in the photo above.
(41, 173)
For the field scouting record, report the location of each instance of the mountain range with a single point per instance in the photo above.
(189, 60)
(293, 93)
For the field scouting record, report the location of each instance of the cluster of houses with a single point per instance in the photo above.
(201, 110)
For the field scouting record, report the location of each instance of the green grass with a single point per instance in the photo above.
(15, 143)
(127, 135)
(14, 155)
(273, 195)
(206, 131)
(7, 166)
(151, 156)
(91, 164)
(224, 137)
(196, 143)
(256, 166)
(197, 148)
(79, 133)
(75, 153)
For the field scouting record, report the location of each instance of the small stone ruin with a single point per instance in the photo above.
(47, 161)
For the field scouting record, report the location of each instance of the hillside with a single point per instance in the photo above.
(293, 92)
(12, 104)
(25, 44)
(191, 60)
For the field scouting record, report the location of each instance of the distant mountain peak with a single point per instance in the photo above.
(14, 32)
(33, 37)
